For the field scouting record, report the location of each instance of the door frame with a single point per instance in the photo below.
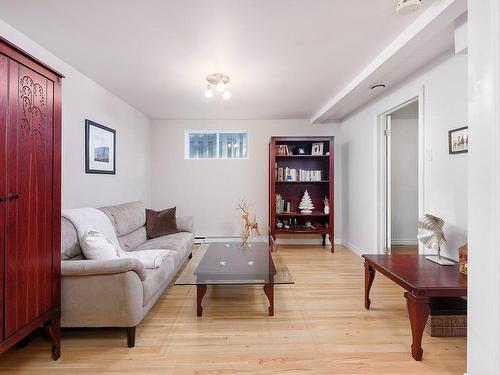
(382, 193)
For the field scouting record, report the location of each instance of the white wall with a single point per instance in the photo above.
(82, 98)
(404, 180)
(444, 83)
(210, 189)
(483, 336)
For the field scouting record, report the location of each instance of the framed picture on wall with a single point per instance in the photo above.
(100, 148)
(458, 140)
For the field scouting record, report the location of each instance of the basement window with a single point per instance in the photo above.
(216, 144)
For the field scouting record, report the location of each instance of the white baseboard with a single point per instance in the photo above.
(356, 250)
(305, 241)
(199, 239)
(404, 241)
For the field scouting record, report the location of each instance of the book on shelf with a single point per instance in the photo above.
(282, 150)
(295, 175)
(283, 206)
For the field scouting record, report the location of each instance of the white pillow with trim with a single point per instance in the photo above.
(95, 246)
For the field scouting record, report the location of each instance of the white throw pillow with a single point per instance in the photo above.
(96, 246)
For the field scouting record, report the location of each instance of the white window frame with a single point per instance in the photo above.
(188, 132)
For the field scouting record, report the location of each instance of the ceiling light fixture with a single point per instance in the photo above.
(408, 6)
(218, 82)
(209, 93)
(378, 86)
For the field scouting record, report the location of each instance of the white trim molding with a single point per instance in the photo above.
(356, 250)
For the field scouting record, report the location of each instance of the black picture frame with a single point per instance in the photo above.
(88, 169)
(451, 151)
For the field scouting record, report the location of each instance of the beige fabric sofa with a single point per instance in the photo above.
(119, 292)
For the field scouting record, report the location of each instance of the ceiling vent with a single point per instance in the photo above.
(408, 6)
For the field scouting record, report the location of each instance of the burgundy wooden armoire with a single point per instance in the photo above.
(30, 198)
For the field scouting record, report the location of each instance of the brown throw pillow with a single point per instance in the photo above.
(160, 223)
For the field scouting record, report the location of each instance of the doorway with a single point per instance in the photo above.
(401, 182)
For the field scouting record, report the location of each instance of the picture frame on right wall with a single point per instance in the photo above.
(458, 140)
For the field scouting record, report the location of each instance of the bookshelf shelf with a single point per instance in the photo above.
(302, 156)
(302, 182)
(293, 214)
(321, 230)
(285, 162)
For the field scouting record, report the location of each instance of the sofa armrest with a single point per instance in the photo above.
(102, 267)
(185, 224)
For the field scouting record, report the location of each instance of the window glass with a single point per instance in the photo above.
(216, 145)
(232, 145)
(202, 145)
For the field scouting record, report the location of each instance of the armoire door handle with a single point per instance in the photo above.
(13, 196)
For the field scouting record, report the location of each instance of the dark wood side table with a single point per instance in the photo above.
(421, 279)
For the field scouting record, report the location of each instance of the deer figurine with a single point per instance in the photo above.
(250, 226)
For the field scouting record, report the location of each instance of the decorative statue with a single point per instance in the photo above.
(306, 205)
(430, 233)
(327, 206)
(250, 226)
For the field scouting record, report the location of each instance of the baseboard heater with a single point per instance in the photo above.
(198, 240)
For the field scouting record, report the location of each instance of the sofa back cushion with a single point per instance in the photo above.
(129, 220)
(70, 247)
(133, 240)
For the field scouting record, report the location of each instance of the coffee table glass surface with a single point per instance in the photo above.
(218, 263)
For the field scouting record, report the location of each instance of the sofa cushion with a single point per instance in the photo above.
(126, 217)
(181, 243)
(157, 279)
(160, 223)
(70, 246)
(130, 241)
(96, 246)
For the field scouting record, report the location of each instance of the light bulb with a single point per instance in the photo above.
(226, 95)
(209, 93)
(221, 86)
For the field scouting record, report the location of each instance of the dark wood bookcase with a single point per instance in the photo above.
(296, 154)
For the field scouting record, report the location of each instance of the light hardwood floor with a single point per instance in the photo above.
(320, 327)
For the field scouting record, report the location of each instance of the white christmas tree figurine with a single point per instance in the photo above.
(306, 205)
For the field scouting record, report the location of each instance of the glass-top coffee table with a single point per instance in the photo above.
(230, 263)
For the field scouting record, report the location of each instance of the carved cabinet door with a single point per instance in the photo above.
(3, 119)
(29, 180)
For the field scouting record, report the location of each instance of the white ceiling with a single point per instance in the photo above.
(286, 58)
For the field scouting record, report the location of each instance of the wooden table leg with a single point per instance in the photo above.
(369, 276)
(269, 290)
(418, 311)
(200, 293)
(53, 330)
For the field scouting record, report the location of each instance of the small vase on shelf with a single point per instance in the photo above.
(326, 210)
